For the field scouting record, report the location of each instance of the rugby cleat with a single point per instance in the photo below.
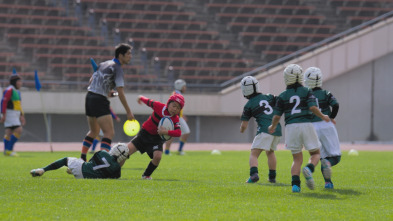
(295, 189)
(272, 180)
(309, 180)
(253, 179)
(37, 172)
(329, 185)
(146, 177)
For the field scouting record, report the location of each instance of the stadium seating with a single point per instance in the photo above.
(206, 42)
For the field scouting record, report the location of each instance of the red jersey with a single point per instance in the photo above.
(160, 110)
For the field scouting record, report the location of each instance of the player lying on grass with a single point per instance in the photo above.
(148, 139)
(102, 165)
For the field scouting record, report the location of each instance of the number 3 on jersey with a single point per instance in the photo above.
(268, 109)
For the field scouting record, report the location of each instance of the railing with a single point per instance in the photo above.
(306, 49)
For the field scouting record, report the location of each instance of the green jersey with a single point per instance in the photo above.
(102, 165)
(260, 107)
(325, 100)
(295, 102)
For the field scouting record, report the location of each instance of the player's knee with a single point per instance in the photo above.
(314, 151)
(334, 160)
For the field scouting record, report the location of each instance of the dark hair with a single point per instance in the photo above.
(13, 79)
(121, 49)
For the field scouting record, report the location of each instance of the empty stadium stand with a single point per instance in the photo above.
(205, 42)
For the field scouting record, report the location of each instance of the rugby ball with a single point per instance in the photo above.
(167, 123)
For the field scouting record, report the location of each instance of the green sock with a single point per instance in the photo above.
(311, 167)
(272, 174)
(56, 165)
(296, 180)
(253, 170)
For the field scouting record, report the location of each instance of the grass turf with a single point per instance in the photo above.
(197, 186)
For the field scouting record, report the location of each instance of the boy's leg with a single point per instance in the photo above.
(310, 167)
(295, 171)
(15, 137)
(168, 146)
(182, 141)
(272, 163)
(53, 166)
(106, 125)
(94, 129)
(95, 142)
(7, 138)
(157, 155)
(254, 155)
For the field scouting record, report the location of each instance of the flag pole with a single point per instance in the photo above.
(38, 87)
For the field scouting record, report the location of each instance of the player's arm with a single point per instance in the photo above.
(243, 126)
(176, 132)
(315, 110)
(123, 100)
(4, 102)
(275, 121)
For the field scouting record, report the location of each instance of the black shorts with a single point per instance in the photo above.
(148, 143)
(96, 105)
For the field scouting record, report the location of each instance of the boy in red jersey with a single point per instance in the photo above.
(148, 139)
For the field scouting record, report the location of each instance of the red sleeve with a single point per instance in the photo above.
(176, 132)
(147, 101)
(4, 102)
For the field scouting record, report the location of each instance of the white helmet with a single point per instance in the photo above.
(293, 73)
(249, 85)
(313, 77)
(179, 84)
(119, 151)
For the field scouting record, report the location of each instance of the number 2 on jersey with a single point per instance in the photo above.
(296, 100)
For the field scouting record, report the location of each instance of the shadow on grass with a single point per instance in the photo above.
(345, 192)
(331, 194)
(272, 184)
(133, 168)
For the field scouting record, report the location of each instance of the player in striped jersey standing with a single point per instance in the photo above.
(260, 106)
(297, 103)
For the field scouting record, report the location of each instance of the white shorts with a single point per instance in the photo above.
(298, 135)
(12, 118)
(75, 165)
(265, 141)
(328, 137)
(184, 126)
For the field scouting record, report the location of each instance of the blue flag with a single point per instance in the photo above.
(37, 81)
(93, 64)
(13, 71)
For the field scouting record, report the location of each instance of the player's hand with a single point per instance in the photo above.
(130, 116)
(139, 99)
(271, 129)
(326, 118)
(162, 131)
(113, 93)
(22, 120)
(118, 119)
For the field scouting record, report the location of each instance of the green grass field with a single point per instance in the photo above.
(197, 186)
